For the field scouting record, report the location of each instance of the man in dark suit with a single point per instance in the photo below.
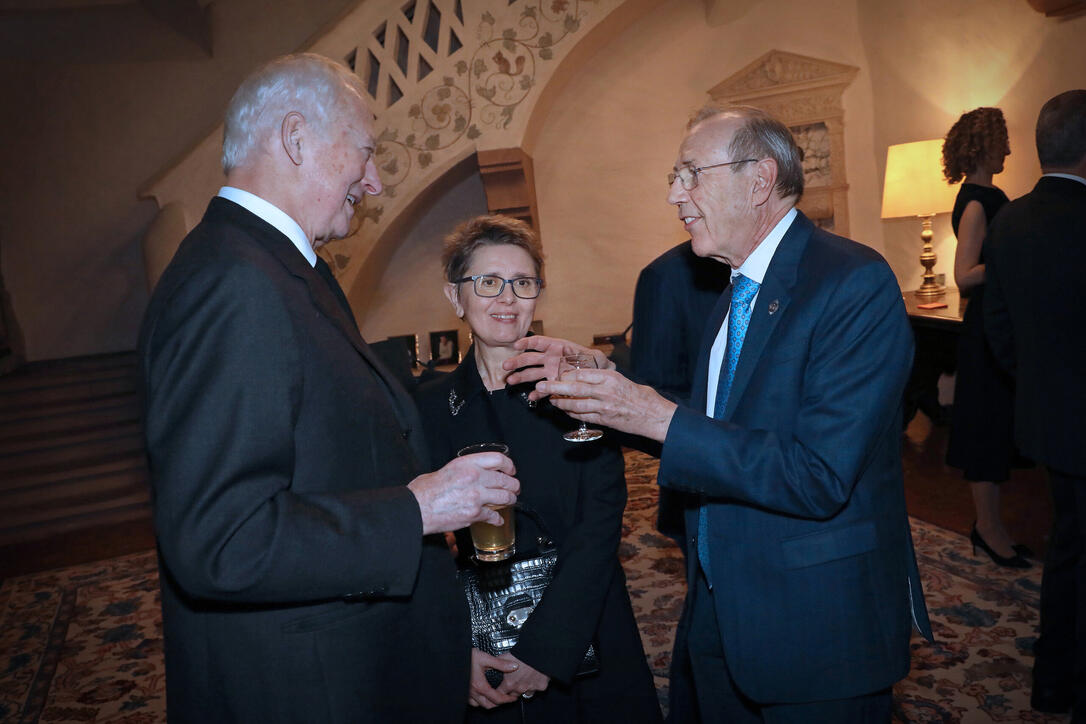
(673, 300)
(1034, 318)
(674, 295)
(303, 573)
(802, 581)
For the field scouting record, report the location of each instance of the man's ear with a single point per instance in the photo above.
(765, 181)
(452, 293)
(291, 134)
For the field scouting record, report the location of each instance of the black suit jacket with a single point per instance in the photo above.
(1035, 317)
(296, 583)
(672, 303)
(811, 554)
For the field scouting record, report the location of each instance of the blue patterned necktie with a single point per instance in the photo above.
(743, 291)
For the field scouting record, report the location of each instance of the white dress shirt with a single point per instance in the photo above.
(1070, 176)
(274, 216)
(753, 268)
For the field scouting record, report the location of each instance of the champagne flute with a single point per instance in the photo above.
(579, 362)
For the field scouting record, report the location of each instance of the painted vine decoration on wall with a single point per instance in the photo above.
(485, 92)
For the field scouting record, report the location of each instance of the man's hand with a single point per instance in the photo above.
(457, 495)
(541, 356)
(604, 397)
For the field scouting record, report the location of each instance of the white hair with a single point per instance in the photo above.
(308, 83)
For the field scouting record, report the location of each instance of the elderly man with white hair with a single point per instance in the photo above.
(303, 571)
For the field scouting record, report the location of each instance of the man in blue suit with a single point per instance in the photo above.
(802, 582)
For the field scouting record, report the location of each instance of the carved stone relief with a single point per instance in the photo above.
(805, 94)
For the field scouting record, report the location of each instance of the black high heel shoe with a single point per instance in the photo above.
(1016, 561)
(1024, 550)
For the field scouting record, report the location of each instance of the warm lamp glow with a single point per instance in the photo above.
(914, 180)
(915, 187)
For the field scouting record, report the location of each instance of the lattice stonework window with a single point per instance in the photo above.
(406, 49)
(805, 94)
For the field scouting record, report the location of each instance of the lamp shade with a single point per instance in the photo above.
(915, 185)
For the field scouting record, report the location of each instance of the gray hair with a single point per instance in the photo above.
(760, 136)
(311, 84)
(1061, 130)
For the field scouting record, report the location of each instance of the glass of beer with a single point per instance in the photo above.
(493, 542)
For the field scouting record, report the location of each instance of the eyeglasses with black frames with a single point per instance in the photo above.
(492, 285)
(688, 175)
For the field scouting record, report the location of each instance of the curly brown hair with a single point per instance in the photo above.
(488, 230)
(978, 134)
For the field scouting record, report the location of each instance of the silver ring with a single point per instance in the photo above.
(527, 695)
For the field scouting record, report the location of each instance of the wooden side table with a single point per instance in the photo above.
(936, 334)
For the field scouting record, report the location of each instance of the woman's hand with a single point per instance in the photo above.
(480, 692)
(523, 681)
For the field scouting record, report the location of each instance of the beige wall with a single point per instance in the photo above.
(611, 138)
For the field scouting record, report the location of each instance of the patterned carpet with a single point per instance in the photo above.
(84, 644)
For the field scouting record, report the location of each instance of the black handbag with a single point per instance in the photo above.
(502, 595)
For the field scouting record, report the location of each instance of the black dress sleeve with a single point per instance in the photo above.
(555, 637)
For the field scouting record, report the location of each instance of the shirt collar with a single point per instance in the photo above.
(1070, 176)
(754, 268)
(274, 216)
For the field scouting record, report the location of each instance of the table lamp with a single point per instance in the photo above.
(915, 187)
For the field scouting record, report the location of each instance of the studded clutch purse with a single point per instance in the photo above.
(501, 596)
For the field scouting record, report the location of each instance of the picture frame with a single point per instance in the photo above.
(445, 347)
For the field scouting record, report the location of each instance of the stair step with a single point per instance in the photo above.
(30, 414)
(21, 380)
(23, 445)
(70, 419)
(68, 457)
(98, 496)
(20, 402)
(42, 369)
(133, 507)
(57, 490)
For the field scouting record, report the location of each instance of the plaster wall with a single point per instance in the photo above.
(101, 99)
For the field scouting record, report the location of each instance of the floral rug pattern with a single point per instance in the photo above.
(84, 644)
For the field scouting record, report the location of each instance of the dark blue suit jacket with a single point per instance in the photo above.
(811, 555)
(674, 296)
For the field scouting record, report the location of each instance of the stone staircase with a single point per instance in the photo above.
(71, 451)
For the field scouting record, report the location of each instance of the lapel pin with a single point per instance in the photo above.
(774, 306)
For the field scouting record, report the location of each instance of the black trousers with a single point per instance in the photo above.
(1060, 664)
(720, 700)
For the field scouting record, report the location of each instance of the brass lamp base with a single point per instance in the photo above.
(928, 289)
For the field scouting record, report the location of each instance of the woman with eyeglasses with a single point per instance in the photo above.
(493, 269)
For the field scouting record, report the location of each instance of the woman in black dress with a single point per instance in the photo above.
(981, 433)
(493, 266)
